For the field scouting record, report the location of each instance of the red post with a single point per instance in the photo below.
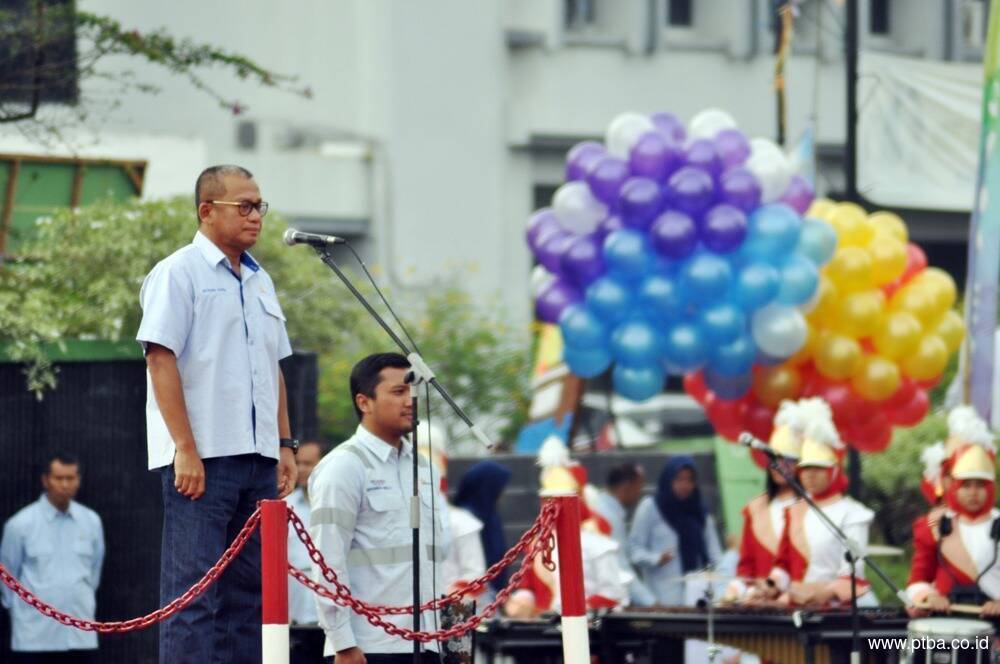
(576, 638)
(274, 580)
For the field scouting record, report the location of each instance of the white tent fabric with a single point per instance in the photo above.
(918, 131)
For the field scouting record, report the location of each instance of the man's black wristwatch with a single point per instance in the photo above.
(290, 443)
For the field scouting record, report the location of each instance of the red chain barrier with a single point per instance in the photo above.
(541, 541)
(156, 616)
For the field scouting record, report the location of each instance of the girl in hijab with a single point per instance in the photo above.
(478, 492)
(671, 533)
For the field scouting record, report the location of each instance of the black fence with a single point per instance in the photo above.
(98, 413)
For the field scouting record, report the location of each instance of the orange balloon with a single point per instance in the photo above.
(928, 359)
(888, 259)
(837, 356)
(889, 223)
(914, 298)
(821, 208)
(850, 221)
(877, 378)
(850, 269)
(898, 334)
(859, 314)
(772, 385)
(951, 329)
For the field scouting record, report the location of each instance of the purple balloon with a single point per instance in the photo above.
(701, 153)
(799, 194)
(606, 178)
(551, 251)
(732, 147)
(670, 126)
(741, 188)
(674, 235)
(690, 190)
(540, 226)
(724, 228)
(583, 261)
(607, 227)
(655, 156)
(640, 200)
(554, 299)
(581, 158)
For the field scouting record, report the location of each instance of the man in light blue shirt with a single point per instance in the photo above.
(55, 546)
(216, 416)
(622, 491)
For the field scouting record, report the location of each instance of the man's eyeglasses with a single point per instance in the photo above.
(244, 207)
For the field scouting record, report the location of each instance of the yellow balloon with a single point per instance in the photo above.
(940, 286)
(917, 300)
(877, 378)
(888, 259)
(951, 329)
(837, 356)
(850, 221)
(772, 385)
(821, 208)
(898, 334)
(824, 302)
(859, 314)
(890, 223)
(928, 359)
(850, 269)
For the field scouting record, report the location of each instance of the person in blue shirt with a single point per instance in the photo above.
(55, 546)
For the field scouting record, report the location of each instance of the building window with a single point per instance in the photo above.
(879, 17)
(38, 51)
(680, 13)
(579, 14)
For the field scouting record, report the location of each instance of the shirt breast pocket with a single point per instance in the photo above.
(272, 319)
(84, 550)
(37, 552)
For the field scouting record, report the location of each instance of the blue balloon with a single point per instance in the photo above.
(609, 298)
(627, 254)
(582, 329)
(660, 298)
(588, 363)
(722, 323)
(638, 383)
(818, 241)
(734, 358)
(756, 285)
(635, 342)
(728, 387)
(707, 277)
(799, 279)
(772, 233)
(684, 347)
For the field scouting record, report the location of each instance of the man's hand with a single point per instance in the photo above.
(189, 474)
(288, 474)
(349, 656)
(991, 609)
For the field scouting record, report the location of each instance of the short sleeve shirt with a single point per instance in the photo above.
(227, 333)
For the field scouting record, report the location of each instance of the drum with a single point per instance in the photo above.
(948, 641)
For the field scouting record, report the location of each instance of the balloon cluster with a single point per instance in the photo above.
(881, 332)
(674, 249)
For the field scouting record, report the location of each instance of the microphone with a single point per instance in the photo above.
(293, 237)
(748, 440)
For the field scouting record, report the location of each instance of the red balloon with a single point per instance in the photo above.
(812, 381)
(726, 416)
(930, 383)
(874, 435)
(913, 412)
(758, 419)
(694, 385)
(902, 396)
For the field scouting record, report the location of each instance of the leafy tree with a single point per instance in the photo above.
(80, 278)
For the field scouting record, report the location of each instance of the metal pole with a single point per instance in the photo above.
(575, 636)
(274, 581)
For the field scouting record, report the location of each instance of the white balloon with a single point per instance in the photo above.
(624, 132)
(708, 123)
(540, 279)
(778, 331)
(576, 209)
(771, 167)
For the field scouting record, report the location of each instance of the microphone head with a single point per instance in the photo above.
(289, 237)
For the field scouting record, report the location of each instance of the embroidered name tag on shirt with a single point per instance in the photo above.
(377, 484)
(213, 290)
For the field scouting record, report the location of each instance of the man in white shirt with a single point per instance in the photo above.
(622, 492)
(301, 607)
(55, 546)
(360, 496)
(216, 416)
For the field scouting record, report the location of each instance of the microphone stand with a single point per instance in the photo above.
(852, 553)
(419, 374)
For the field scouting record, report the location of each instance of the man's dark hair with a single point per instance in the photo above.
(209, 185)
(365, 376)
(63, 457)
(622, 474)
